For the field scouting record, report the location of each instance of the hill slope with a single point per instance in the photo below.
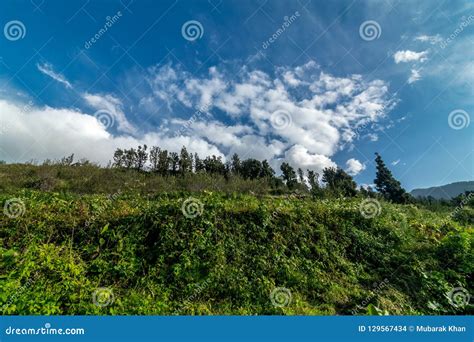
(447, 191)
(228, 254)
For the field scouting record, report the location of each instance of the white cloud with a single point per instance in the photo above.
(410, 56)
(414, 76)
(354, 167)
(112, 106)
(323, 112)
(299, 156)
(395, 162)
(433, 40)
(42, 133)
(47, 69)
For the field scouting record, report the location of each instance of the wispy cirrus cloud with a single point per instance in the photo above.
(433, 40)
(47, 69)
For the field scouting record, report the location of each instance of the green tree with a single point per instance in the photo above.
(387, 185)
(185, 161)
(198, 164)
(289, 175)
(251, 168)
(235, 164)
(338, 182)
(141, 157)
(266, 171)
(154, 158)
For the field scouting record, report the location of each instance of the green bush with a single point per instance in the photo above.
(59, 254)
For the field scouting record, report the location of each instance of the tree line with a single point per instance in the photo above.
(336, 181)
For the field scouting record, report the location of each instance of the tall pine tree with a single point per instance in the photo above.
(387, 185)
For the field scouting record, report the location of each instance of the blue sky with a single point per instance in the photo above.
(318, 83)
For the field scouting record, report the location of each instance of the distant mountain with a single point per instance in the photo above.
(445, 191)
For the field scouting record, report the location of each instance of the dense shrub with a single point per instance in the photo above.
(229, 258)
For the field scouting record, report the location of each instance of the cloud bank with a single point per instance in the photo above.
(301, 114)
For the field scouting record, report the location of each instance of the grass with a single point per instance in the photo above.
(137, 252)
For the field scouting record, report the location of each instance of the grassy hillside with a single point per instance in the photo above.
(216, 253)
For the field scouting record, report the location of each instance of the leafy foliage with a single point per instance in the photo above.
(228, 260)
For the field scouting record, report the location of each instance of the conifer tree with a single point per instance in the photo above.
(387, 185)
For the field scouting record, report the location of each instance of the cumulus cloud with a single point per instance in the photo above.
(47, 69)
(354, 167)
(237, 107)
(41, 133)
(410, 56)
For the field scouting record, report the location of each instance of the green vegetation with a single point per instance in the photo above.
(80, 239)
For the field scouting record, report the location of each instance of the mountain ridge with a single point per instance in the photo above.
(446, 191)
